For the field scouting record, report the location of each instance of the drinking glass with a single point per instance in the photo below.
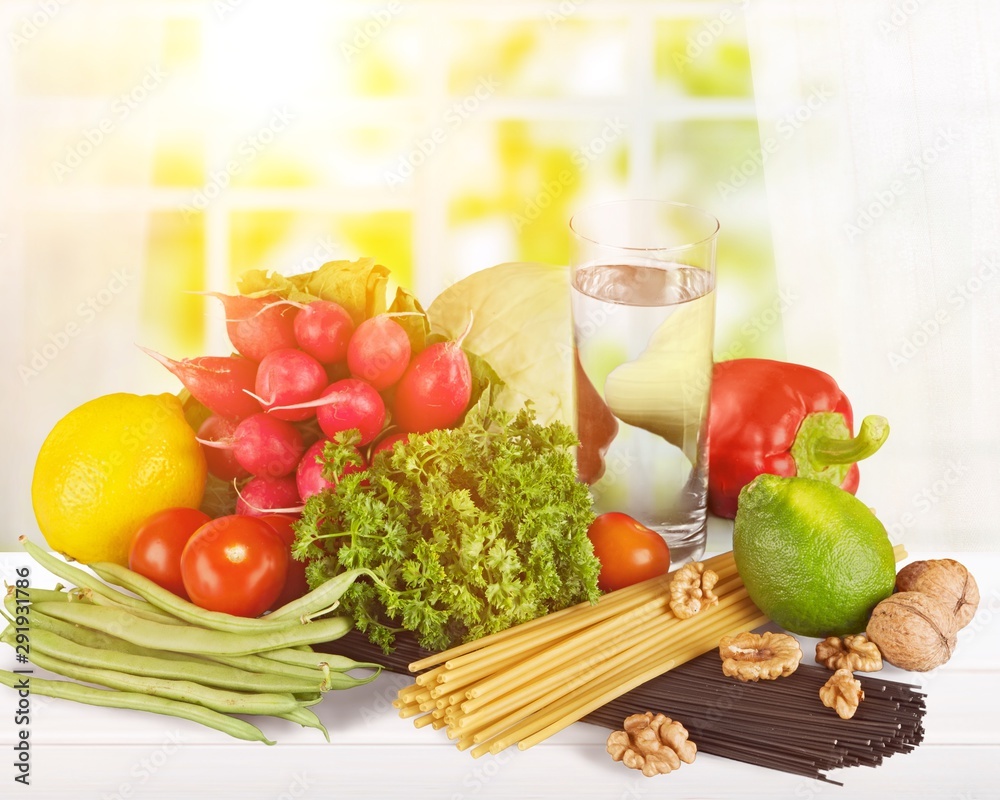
(643, 300)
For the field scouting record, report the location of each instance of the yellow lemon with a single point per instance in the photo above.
(109, 464)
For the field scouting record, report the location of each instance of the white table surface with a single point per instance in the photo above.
(84, 752)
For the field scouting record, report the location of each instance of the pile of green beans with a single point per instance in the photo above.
(156, 652)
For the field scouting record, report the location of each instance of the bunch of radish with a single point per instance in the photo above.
(302, 365)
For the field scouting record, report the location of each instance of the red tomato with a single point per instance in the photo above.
(156, 548)
(629, 552)
(235, 564)
(295, 579)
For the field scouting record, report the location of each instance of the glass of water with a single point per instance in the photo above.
(643, 299)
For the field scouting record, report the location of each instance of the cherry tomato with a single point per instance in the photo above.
(156, 548)
(235, 564)
(629, 552)
(296, 584)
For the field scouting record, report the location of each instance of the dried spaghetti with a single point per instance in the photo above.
(778, 724)
(524, 684)
(602, 662)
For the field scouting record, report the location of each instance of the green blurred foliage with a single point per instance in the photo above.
(704, 57)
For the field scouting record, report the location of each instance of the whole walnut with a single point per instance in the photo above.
(946, 580)
(913, 630)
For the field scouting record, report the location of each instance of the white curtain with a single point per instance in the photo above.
(880, 125)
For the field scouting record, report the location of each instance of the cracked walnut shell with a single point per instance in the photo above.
(842, 693)
(766, 656)
(855, 653)
(691, 590)
(913, 631)
(654, 744)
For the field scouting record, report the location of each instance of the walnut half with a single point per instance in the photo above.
(855, 653)
(652, 743)
(765, 656)
(842, 693)
(691, 590)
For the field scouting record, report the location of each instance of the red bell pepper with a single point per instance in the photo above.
(782, 419)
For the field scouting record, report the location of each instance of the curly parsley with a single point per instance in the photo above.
(471, 530)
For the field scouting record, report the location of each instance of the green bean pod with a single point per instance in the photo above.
(185, 691)
(77, 576)
(204, 672)
(341, 680)
(35, 595)
(322, 597)
(68, 690)
(307, 719)
(91, 638)
(257, 663)
(150, 612)
(189, 639)
(189, 612)
(299, 658)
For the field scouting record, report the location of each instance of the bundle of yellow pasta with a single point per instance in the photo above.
(524, 684)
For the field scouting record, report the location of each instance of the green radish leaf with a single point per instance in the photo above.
(364, 288)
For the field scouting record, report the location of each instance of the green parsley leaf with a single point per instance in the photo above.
(471, 530)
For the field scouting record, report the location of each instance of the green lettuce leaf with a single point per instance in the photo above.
(522, 327)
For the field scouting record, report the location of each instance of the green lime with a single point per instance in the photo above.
(813, 557)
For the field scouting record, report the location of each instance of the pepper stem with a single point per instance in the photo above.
(829, 450)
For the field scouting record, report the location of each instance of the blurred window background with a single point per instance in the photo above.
(154, 150)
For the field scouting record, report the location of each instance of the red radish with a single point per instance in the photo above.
(323, 330)
(347, 404)
(258, 325)
(352, 404)
(288, 377)
(264, 445)
(222, 463)
(296, 584)
(378, 352)
(435, 389)
(267, 495)
(309, 475)
(386, 444)
(220, 383)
